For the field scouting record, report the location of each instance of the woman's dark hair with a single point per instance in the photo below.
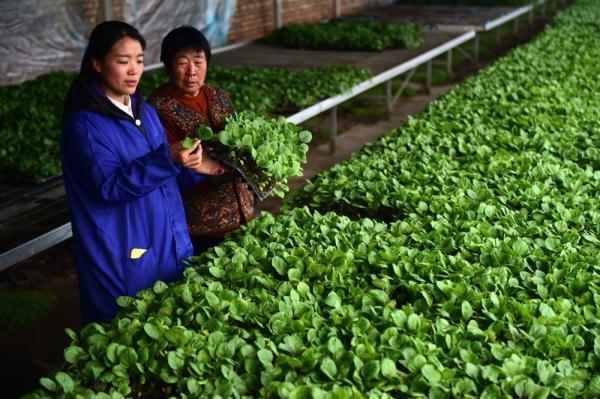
(182, 39)
(102, 39)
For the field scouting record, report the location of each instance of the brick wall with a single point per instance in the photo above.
(253, 19)
(93, 11)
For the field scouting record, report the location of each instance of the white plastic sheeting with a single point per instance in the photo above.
(155, 18)
(40, 36)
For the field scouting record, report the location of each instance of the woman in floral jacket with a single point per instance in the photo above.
(221, 204)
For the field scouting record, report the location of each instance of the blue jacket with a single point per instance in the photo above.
(128, 222)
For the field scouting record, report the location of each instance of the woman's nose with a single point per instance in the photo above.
(135, 68)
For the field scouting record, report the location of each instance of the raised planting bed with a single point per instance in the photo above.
(523, 130)
(354, 35)
(487, 3)
(433, 15)
(31, 124)
(310, 305)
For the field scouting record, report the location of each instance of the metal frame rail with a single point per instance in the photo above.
(384, 77)
(64, 232)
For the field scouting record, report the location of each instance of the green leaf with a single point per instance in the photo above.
(431, 374)
(466, 310)
(371, 369)
(49, 384)
(125, 301)
(216, 271)
(388, 368)
(328, 368)
(594, 386)
(291, 344)
(305, 136)
(212, 299)
(520, 247)
(152, 330)
(546, 310)
(188, 143)
(204, 133)
(472, 370)
(279, 265)
(65, 382)
(175, 360)
(193, 386)
(333, 300)
(265, 356)
(73, 353)
(159, 287)
(335, 347)
(399, 318)
(414, 322)
(128, 357)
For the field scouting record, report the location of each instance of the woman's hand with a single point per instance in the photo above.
(190, 158)
(211, 166)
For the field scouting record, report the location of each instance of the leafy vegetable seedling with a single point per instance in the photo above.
(205, 133)
(188, 143)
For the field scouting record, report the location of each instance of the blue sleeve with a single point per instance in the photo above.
(97, 166)
(188, 178)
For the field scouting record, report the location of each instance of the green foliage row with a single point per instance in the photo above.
(470, 2)
(319, 306)
(490, 292)
(353, 35)
(522, 133)
(31, 113)
(269, 90)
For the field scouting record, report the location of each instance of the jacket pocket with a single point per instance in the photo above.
(140, 270)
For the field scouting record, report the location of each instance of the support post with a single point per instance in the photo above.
(136, 12)
(107, 10)
(333, 132)
(516, 26)
(388, 96)
(278, 17)
(476, 47)
(449, 63)
(336, 8)
(428, 77)
(531, 16)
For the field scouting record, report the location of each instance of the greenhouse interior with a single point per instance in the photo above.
(300, 199)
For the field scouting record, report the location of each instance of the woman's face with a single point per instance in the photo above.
(121, 69)
(188, 71)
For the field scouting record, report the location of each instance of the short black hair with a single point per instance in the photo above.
(102, 39)
(183, 38)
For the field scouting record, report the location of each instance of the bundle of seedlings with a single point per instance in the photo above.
(265, 151)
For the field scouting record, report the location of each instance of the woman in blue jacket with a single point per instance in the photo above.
(121, 177)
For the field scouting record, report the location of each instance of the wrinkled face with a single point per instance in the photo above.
(121, 69)
(188, 71)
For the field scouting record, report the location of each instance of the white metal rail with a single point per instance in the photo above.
(329, 103)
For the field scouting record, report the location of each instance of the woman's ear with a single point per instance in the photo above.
(97, 65)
